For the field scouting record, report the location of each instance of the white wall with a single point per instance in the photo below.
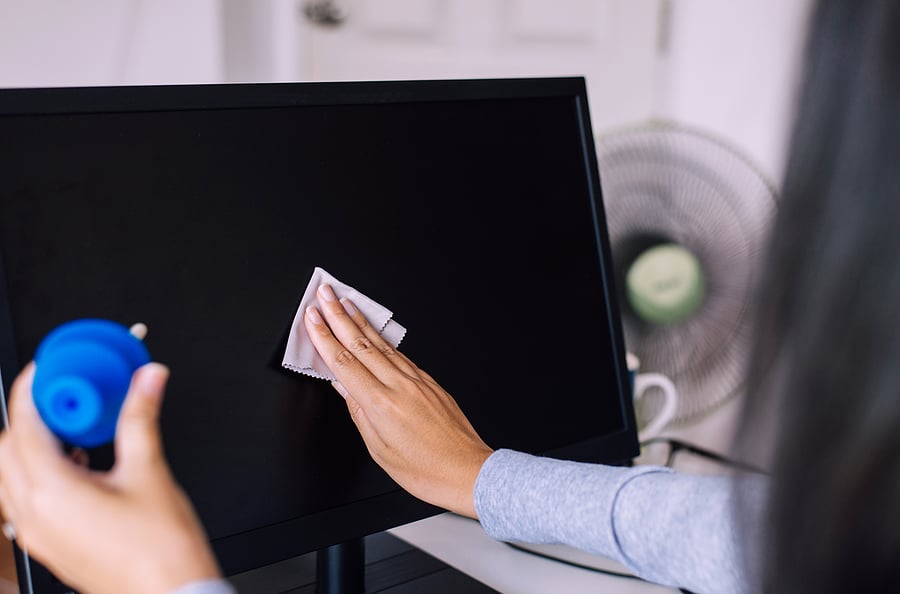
(261, 40)
(99, 42)
(730, 67)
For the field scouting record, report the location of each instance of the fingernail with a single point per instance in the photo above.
(152, 378)
(139, 330)
(313, 315)
(348, 306)
(327, 293)
(340, 388)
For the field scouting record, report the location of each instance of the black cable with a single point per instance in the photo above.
(676, 445)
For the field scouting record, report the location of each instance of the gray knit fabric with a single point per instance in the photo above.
(205, 587)
(669, 528)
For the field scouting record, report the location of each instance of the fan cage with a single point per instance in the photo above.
(664, 182)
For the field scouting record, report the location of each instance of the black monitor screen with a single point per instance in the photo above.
(471, 209)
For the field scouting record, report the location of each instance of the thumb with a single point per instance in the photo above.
(138, 441)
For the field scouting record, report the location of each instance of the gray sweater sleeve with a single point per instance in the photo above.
(669, 528)
(215, 586)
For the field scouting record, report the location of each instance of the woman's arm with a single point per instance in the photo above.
(412, 427)
(670, 528)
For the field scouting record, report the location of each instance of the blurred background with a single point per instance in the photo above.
(728, 67)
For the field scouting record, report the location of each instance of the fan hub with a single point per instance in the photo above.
(665, 284)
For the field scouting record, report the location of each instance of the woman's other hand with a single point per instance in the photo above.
(131, 529)
(413, 428)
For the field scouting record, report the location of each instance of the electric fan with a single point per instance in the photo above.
(688, 219)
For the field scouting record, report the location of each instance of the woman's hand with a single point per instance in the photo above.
(412, 427)
(131, 529)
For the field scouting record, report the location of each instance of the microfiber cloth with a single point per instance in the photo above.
(300, 354)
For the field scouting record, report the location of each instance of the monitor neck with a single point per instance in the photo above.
(341, 568)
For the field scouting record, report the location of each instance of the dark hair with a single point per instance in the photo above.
(825, 373)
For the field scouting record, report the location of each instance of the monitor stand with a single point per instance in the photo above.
(341, 568)
(392, 566)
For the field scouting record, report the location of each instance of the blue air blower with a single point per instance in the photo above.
(83, 372)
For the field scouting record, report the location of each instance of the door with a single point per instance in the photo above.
(611, 42)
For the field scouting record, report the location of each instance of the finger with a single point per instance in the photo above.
(138, 330)
(6, 510)
(39, 449)
(370, 332)
(388, 350)
(424, 375)
(350, 371)
(364, 426)
(352, 338)
(138, 442)
(15, 484)
(339, 387)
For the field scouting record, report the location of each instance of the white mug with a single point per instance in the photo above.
(642, 384)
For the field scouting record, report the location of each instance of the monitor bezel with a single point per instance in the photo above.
(268, 544)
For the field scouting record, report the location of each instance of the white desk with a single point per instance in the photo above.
(462, 544)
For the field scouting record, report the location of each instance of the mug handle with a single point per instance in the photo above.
(642, 382)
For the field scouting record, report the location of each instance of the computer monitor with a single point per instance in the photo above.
(470, 208)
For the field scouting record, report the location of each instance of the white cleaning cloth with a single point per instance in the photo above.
(300, 354)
